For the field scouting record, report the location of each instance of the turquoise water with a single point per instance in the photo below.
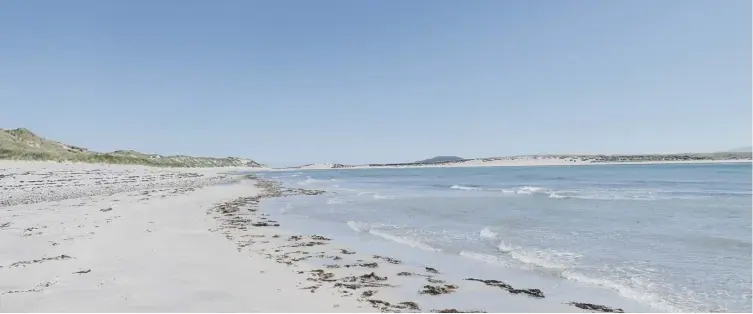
(648, 237)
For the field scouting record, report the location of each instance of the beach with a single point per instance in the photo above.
(106, 238)
(115, 238)
(363, 157)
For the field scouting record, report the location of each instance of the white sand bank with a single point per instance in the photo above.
(516, 161)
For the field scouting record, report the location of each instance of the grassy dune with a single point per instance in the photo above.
(22, 144)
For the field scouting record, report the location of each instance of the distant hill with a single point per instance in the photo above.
(746, 149)
(440, 159)
(22, 144)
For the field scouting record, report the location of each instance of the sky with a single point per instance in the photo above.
(291, 82)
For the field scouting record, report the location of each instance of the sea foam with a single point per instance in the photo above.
(487, 233)
(366, 228)
(463, 187)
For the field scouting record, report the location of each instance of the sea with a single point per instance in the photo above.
(659, 237)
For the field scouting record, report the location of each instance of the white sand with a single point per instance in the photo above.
(152, 252)
(514, 161)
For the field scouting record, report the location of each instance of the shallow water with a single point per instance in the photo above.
(643, 237)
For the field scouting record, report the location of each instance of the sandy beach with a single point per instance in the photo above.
(107, 238)
(115, 238)
(82, 238)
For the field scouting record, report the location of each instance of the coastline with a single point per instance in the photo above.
(429, 217)
(151, 239)
(384, 282)
(512, 162)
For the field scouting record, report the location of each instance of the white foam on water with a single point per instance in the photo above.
(383, 197)
(376, 195)
(504, 247)
(594, 194)
(487, 233)
(358, 226)
(336, 201)
(524, 190)
(529, 260)
(536, 259)
(487, 258)
(639, 295)
(463, 187)
(528, 190)
(307, 181)
(546, 259)
(613, 194)
(404, 240)
(556, 196)
(562, 264)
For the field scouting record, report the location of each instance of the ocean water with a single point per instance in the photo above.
(668, 238)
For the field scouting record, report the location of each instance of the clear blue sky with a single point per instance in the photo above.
(379, 81)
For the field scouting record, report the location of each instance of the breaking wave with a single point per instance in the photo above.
(404, 240)
(383, 197)
(586, 194)
(307, 181)
(377, 196)
(562, 264)
(487, 258)
(358, 226)
(366, 228)
(464, 187)
(487, 233)
(642, 295)
(522, 190)
(525, 190)
(310, 180)
(336, 201)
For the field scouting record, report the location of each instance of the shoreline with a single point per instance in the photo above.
(383, 214)
(151, 240)
(141, 242)
(506, 163)
(387, 283)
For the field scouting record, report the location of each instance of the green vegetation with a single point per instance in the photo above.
(441, 159)
(22, 144)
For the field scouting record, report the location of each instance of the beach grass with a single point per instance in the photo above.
(22, 144)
